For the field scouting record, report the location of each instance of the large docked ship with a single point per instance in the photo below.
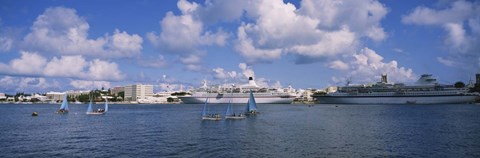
(425, 91)
(240, 94)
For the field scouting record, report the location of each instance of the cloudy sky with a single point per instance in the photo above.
(78, 45)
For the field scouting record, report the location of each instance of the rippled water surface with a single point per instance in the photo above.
(279, 131)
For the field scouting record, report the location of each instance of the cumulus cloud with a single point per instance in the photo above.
(220, 73)
(367, 63)
(461, 22)
(28, 63)
(314, 31)
(33, 64)
(60, 30)
(247, 71)
(87, 85)
(184, 35)
(27, 84)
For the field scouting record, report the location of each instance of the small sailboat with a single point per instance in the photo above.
(206, 116)
(229, 114)
(90, 110)
(64, 107)
(251, 106)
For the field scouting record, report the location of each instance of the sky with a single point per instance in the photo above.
(55, 45)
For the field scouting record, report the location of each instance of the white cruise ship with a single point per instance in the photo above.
(425, 91)
(233, 94)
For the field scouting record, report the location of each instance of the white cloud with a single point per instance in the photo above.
(247, 71)
(33, 64)
(460, 20)
(27, 84)
(245, 47)
(459, 11)
(362, 17)
(446, 61)
(60, 30)
(366, 64)
(103, 70)
(338, 65)
(456, 37)
(185, 35)
(67, 66)
(220, 73)
(88, 85)
(316, 30)
(29, 63)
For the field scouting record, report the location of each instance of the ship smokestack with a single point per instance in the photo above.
(384, 78)
(251, 82)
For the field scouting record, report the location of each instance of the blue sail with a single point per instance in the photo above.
(252, 105)
(204, 111)
(106, 105)
(89, 109)
(64, 105)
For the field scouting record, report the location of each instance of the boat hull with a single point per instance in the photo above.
(95, 113)
(237, 100)
(439, 99)
(235, 117)
(212, 118)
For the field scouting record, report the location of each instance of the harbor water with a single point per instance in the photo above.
(283, 130)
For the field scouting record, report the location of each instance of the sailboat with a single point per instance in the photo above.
(251, 106)
(64, 107)
(206, 116)
(90, 110)
(230, 115)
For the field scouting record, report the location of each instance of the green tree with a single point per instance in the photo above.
(459, 84)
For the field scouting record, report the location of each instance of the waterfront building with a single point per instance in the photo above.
(74, 94)
(138, 91)
(3, 97)
(40, 97)
(55, 96)
(115, 90)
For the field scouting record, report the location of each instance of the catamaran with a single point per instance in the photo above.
(64, 107)
(90, 110)
(206, 116)
(251, 106)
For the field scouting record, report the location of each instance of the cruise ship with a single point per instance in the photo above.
(240, 94)
(425, 91)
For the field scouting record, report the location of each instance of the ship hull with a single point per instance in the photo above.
(439, 99)
(236, 100)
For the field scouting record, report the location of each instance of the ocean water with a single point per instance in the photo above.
(279, 131)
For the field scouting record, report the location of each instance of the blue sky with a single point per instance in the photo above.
(80, 45)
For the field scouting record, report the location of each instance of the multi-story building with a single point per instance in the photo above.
(75, 94)
(115, 90)
(138, 91)
(55, 96)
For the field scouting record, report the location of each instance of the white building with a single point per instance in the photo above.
(55, 96)
(138, 91)
(3, 96)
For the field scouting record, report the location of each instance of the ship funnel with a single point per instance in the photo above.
(251, 82)
(384, 78)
